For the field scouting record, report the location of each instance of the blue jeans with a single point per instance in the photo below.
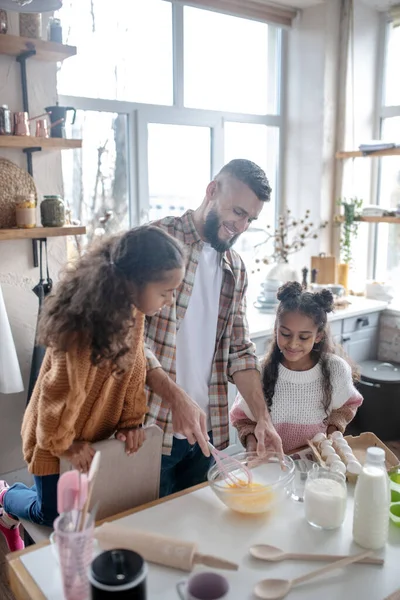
(37, 504)
(185, 467)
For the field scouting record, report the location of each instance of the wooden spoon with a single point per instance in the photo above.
(274, 589)
(274, 554)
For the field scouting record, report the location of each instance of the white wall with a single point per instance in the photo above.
(313, 62)
(17, 275)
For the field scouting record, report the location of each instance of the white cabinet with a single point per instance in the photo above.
(360, 337)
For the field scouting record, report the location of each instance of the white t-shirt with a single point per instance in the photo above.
(196, 337)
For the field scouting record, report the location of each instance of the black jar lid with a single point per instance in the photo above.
(118, 568)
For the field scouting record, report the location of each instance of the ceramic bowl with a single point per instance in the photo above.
(271, 483)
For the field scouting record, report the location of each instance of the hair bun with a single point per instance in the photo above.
(289, 291)
(325, 300)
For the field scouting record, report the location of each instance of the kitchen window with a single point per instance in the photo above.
(387, 241)
(162, 110)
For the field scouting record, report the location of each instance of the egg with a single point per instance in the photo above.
(332, 458)
(354, 467)
(336, 435)
(338, 467)
(325, 452)
(348, 454)
(319, 437)
(341, 443)
(325, 444)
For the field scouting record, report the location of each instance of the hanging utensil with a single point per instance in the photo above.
(42, 289)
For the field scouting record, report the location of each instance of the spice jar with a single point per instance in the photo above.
(30, 25)
(25, 211)
(54, 30)
(52, 211)
(3, 21)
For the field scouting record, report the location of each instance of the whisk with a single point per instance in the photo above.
(227, 466)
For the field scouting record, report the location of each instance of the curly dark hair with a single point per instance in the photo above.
(93, 303)
(292, 298)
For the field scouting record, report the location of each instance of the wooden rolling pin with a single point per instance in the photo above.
(158, 549)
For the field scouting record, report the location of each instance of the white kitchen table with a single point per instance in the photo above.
(197, 515)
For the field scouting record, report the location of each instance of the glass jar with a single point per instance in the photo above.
(54, 30)
(325, 497)
(3, 21)
(6, 122)
(52, 211)
(30, 25)
(25, 211)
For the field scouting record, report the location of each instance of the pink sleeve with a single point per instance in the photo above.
(341, 417)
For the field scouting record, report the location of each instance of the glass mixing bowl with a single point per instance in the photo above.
(271, 482)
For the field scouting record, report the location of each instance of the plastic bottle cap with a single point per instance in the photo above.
(375, 455)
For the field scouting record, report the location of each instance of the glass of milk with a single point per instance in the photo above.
(325, 498)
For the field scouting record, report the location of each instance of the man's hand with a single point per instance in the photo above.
(80, 455)
(267, 438)
(133, 438)
(189, 420)
(187, 417)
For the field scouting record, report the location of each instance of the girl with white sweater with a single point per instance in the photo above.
(307, 386)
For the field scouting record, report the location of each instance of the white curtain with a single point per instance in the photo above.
(10, 374)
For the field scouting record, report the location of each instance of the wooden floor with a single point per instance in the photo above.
(5, 593)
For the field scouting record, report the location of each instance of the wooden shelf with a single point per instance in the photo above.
(393, 220)
(29, 141)
(41, 232)
(356, 153)
(14, 45)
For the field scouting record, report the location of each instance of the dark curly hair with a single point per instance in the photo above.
(94, 300)
(292, 298)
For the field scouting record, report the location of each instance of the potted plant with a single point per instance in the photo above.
(349, 230)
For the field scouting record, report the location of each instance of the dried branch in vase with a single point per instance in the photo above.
(289, 237)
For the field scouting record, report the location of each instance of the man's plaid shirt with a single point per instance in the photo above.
(233, 349)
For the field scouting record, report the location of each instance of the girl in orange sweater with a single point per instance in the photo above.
(91, 383)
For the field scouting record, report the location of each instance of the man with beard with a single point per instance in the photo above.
(201, 341)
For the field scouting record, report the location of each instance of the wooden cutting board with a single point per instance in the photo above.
(326, 268)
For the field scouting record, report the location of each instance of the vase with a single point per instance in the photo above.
(343, 275)
(282, 272)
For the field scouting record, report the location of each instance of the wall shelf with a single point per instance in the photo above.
(21, 142)
(356, 153)
(41, 232)
(14, 45)
(394, 220)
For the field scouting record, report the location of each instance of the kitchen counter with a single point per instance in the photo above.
(262, 324)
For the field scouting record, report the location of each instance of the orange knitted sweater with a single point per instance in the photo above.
(74, 400)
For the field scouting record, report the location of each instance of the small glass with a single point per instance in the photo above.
(325, 498)
(302, 468)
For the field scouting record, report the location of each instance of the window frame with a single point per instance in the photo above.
(140, 115)
(383, 112)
